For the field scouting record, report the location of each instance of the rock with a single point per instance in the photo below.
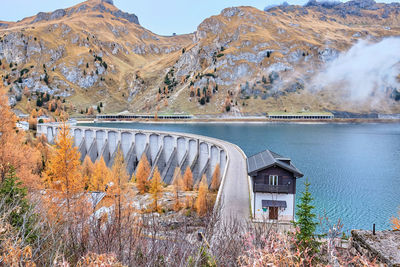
(383, 246)
(59, 13)
(111, 2)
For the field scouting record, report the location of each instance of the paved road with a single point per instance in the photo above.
(235, 192)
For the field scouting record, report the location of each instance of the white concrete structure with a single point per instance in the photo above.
(168, 150)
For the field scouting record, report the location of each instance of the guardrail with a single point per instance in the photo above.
(265, 188)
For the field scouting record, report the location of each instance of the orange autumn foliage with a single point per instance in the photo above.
(142, 175)
(101, 176)
(201, 201)
(87, 170)
(178, 185)
(156, 188)
(14, 151)
(64, 172)
(119, 175)
(215, 180)
(188, 180)
(396, 223)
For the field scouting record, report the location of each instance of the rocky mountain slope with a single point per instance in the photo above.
(243, 60)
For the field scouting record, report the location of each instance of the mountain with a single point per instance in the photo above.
(321, 56)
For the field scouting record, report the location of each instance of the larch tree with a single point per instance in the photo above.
(142, 175)
(215, 181)
(396, 223)
(14, 151)
(119, 175)
(87, 171)
(188, 180)
(100, 178)
(178, 186)
(63, 171)
(156, 188)
(201, 201)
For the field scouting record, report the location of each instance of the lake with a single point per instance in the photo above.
(354, 169)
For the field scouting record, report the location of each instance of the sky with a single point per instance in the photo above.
(163, 17)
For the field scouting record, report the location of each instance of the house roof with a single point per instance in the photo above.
(266, 159)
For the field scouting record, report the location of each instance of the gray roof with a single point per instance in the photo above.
(268, 159)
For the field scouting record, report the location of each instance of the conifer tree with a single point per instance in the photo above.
(156, 188)
(142, 175)
(14, 151)
(178, 185)
(201, 201)
(396, 222)
(100, 178)
(64, 172)
(13, 195)
(215, 181)
(119, 175)
(87, 171)
(306, 225)
(188, 179)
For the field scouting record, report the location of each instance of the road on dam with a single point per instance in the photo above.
(167, 150)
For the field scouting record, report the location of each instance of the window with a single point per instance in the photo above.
(273, 180)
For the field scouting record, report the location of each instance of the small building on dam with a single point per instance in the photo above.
(165, 150)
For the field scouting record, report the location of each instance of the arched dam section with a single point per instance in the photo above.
(168, 150)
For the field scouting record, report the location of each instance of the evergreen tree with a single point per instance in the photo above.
(13, 195)
(305, 237)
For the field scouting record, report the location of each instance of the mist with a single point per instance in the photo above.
(367, 68)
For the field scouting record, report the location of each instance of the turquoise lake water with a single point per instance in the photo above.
(354, 169)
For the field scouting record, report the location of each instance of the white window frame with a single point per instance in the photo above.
(273, 180)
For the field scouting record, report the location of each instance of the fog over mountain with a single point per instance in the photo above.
(366, 68)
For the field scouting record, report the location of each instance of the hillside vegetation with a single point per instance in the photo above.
(243, 60)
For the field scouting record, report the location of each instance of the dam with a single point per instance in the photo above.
(166, 151)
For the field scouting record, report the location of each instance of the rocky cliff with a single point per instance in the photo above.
(243, 60)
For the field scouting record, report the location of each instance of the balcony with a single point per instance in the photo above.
(266, 188)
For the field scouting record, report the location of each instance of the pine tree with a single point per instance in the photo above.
(201, 201)
(215, 181)
(188, 179)
(142, 175)
(13, 195)
(156, 188)
(306, 225)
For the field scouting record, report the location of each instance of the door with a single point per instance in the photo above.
(273, 213)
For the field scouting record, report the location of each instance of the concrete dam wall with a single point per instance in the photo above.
(163, 149)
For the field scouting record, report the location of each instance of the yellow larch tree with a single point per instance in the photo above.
(64, 171)
(201, 201)
(396, 223)
(101, 176)
(188, 180)
(178, 185)
(87, 171)
(142, 175)
(156, 188)
(215, 180)
(119, 175)
(14, 150)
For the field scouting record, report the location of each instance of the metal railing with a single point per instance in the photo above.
(265, 188)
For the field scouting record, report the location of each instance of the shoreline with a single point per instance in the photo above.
(242, 121)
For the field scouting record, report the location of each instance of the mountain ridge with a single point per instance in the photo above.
(243, 60)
